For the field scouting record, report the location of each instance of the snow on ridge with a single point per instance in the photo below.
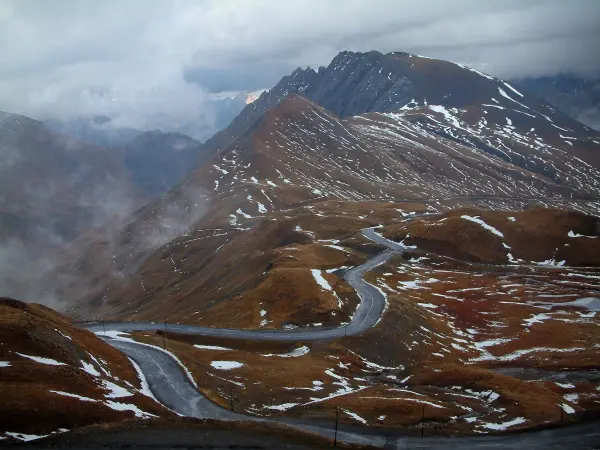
(483, 224)
(512, 89)
(476, 71)
(518, 353)
(317, 274)
(505, 95)
(111, 404)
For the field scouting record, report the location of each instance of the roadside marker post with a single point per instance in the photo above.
(337, 419)
(423, 421)
(231, 397)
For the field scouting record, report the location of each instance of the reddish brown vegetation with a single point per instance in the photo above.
(535, 235)
(27, 404)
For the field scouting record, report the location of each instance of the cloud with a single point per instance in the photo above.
(143, 63)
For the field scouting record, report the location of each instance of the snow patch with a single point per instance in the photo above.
(226, 365)
(211, 347)
(317, 274)
(283, 407)
(503, 425)
(115, 391)
(355, 416)
(68, 394)
(39, 359)
(300, 351)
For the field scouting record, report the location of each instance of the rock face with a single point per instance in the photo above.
(357, 83)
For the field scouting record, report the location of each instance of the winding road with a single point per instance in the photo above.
(173, 388)
(366, 316)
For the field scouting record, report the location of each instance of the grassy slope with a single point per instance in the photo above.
(27, 404)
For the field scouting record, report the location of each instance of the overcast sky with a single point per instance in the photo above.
(127, 58)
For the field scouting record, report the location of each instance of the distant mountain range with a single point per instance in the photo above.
(101, 130)
(574, 95)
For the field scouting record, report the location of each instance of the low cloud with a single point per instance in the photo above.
(149, 65)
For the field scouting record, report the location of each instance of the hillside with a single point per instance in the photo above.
(357, 83)
(488, 308)
(487, 346)
(473, 141)
(72, 377)
(535, 236)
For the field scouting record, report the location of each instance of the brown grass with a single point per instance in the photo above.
(27, 404)
(535, 235)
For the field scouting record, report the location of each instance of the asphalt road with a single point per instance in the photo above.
(365, 317)
(173, 388)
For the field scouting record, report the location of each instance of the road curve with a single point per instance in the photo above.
(365, 317)
(174, 389)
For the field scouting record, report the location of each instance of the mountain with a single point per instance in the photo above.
(356, 83)
(576, 96)
(483, 307)
(56, 376)
(157, 161)
(368, 130)
(53, 188)
(480, 113)
(56, 180)
(212, 115)
(96, 130)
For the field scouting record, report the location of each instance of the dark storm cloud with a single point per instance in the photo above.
(164, 57)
